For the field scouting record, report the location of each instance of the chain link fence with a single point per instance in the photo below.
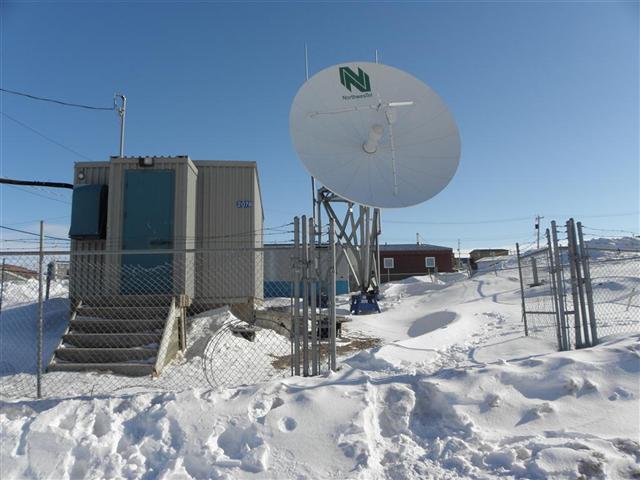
(576, 292)
(90, 323)
(538, 301)
(615, 279)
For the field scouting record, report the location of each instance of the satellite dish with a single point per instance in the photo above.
(374, 135)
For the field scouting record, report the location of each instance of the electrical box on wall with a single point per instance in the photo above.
(88, 212)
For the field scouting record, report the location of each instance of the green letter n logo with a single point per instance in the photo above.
(348, 78)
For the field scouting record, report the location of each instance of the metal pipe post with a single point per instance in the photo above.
(364, 275)
(378, 232)
(581, 294)
(122, 111)
(51, 266)
(313, 278)
(559, 287)
(571, 252)
(554, 289)
(296, 294)
(305, 298)
(584, 255)
(366, 247)
(40, 311)
(534, 270)
(4, 263)
(524, 307)
(332, 296)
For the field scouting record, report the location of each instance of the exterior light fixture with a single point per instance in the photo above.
(145, 161)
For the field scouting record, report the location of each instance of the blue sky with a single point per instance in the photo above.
(545, 95)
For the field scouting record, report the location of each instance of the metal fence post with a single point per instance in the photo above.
(584, 255)
(554, 290)
(534, 270)
(4, 263)
(313, 291)
(524, 308)
(571, 253)
(559, 287)
(588, 341)
(51, 268)
(296, 294)
(305, 297)
(40, 312)
(332, 296)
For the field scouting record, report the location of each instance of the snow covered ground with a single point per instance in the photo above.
(454, 391)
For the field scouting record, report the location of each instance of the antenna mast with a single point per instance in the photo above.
(313, 180)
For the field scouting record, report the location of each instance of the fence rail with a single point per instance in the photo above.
(575, 295)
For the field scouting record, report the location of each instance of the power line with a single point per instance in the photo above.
(49, 139)
(35, 183)
(507, 220)
(32, 233)
(37, 220)
(59, 102)
(598, 215)
(40, 195)
(475, 222)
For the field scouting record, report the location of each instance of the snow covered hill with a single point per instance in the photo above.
(454, 391)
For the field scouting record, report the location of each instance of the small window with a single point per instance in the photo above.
(430, 262)
(387, 262)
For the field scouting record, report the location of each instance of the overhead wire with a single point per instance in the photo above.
(59, 102)
(26, 232)
(39, 219)
(474, 222)
(49, 139)
(608, 230)
(39, 194)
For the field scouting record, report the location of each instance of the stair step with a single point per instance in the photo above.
(130, 369)
(137, 301)
(111, 340)
(100, 325)
(123, 313)
(104, 355)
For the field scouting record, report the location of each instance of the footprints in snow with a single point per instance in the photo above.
(261, 407)
(619, 393)
(287, 424)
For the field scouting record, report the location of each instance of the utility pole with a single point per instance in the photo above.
(538, 218)
(122, 111)
(459, 257)
(417, 238)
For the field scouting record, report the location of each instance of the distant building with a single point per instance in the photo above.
(475, 255)
(16, 273)
(278, 271)
(491, 263)
(407, 260)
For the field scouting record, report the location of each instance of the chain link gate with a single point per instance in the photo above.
(246, 354)
(575, 294)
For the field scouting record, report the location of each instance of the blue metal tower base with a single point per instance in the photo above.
(360, 307)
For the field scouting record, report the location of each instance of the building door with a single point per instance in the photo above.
(148, 213)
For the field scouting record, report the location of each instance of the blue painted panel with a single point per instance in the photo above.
(88, 212)
(148, 213)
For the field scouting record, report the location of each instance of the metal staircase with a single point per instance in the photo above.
(125, 340)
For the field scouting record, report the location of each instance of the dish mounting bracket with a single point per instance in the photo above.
(358, 232)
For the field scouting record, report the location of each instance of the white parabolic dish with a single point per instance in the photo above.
(374, 135)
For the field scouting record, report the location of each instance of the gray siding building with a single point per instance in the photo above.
(208, 214)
